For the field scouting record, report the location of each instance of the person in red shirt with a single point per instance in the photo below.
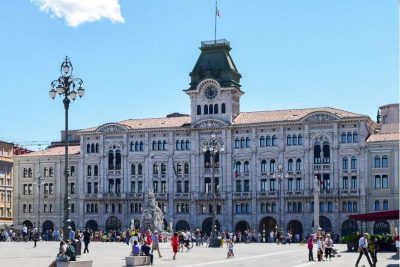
(175, 244)
(148, 238)
(310, 245)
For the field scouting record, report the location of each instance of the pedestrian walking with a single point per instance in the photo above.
(230, 250)
(320, 247)
(155, 243)
(175, 244)
(310, 245)
(373, 250)
(35, 237)
(362, 249)
(87, 236)
(328, 245)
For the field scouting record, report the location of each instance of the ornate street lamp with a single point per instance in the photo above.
(280, 175)
(65, 86)
(213, 145)
(39, 180)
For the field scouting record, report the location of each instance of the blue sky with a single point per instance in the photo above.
(135, 63)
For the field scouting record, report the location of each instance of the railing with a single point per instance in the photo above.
(209, 170)
(241, 194)
(161, 195)
(182, 195)
(136, 195)
(211, 195)
(114, 172)
(112, 195)
(288, 192)
(300, 192)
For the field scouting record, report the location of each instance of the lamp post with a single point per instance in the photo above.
(39, 180)
(65, 87)
(213, 145)
(280, 174)
(317, 228)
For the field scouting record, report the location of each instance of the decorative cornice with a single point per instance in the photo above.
(210, 124)
(111, 128)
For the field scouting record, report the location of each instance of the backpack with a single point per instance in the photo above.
(70, 251)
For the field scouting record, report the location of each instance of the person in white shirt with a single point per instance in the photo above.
(362, 249)
(328, 245)
(320, 247)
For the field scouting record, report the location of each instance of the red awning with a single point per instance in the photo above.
(377, 216)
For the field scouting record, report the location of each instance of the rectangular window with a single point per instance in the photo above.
(263, 185)
(353, 182)
(51, 189)
(117, 186)
(29, 189)
(140, 187)
(238, 186)
(25, 189)
(377, 181)
(345, 182)
(96, 187)
(290, 184)
(133, 186)
(263, 208)
(246, 186)
(272, 184)
(163, 187)
(385, 183)
(298, 184)
(155, 186)
(179, 186)
(186, 187)
(72, 187)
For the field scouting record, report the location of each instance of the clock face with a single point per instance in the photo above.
(210, 92)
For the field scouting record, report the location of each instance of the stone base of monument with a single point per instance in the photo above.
(137, 260)
(80, 263)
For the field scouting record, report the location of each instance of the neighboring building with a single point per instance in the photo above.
(6, 186)
(119, 163)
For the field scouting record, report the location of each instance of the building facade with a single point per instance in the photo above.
(262, 180)
(6, 179)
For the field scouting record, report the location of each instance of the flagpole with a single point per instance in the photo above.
(215, 24)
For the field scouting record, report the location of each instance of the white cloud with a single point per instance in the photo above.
(76, 12)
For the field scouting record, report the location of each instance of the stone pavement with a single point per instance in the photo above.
(113, 254)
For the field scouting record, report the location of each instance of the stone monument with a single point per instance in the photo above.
(152, 216)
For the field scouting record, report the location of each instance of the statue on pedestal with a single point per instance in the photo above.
(152, 216)
(316, 184)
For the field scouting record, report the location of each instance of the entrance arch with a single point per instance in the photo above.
(47, 225)
(267, 224)
(349, 227)
(113, 223)
(182, 225)
(207, 225)
(381, 227)
(28, 224)
(295, 227)
(242, 226)
(324, 223)
(92, 225)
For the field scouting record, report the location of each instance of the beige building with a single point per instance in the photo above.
(6, 182)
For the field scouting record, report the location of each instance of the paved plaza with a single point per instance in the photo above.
(112, 254)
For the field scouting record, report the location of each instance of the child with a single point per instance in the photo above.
(230, 250)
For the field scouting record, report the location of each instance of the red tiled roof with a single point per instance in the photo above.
(157, 122)
(54, 151)
(384, 137)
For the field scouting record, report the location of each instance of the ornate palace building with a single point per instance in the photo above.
(262, 179)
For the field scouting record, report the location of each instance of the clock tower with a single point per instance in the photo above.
(215, 84)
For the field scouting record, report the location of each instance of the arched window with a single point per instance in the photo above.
(88, 148)
(246, 167)
(154, 145)
(216, 109)
(111, 160)
(274, 140)
(242, 142)
(187, 145)
(298, 165)
(25, 172)
(317, 153)
(141, 144)
(136, 146)
(159, 145)
(263, 166)
(377, 162)
(72, 171)
(92, 149)
(97, 148)
(51, 172)
(140, 169)
(211, 109)
(45, 172)
(290, 165)
(30, 172)
(349, 137)
(155, 168)
(326, 152)
(289, 140)
(294, 139)
(163, 168)
(207, 159)
(198, 110)
(177, 145)
(353, 163)
(385, 205)
(377, 205)
(186, 168)
(132, 148)
(89, 170)
(96, 170)
(247, 141)
(343, 138)
(117, 159)
(385, 162)
(237, 142)
(345, 163)
(272, 165)
(355, 137)
(164, 145)
(300, 139)
(182, 145)
(268, 141)
(178, 168)
(262, 141)
(133, 169)
(223, 108)
(205, 109)
(238, 167)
